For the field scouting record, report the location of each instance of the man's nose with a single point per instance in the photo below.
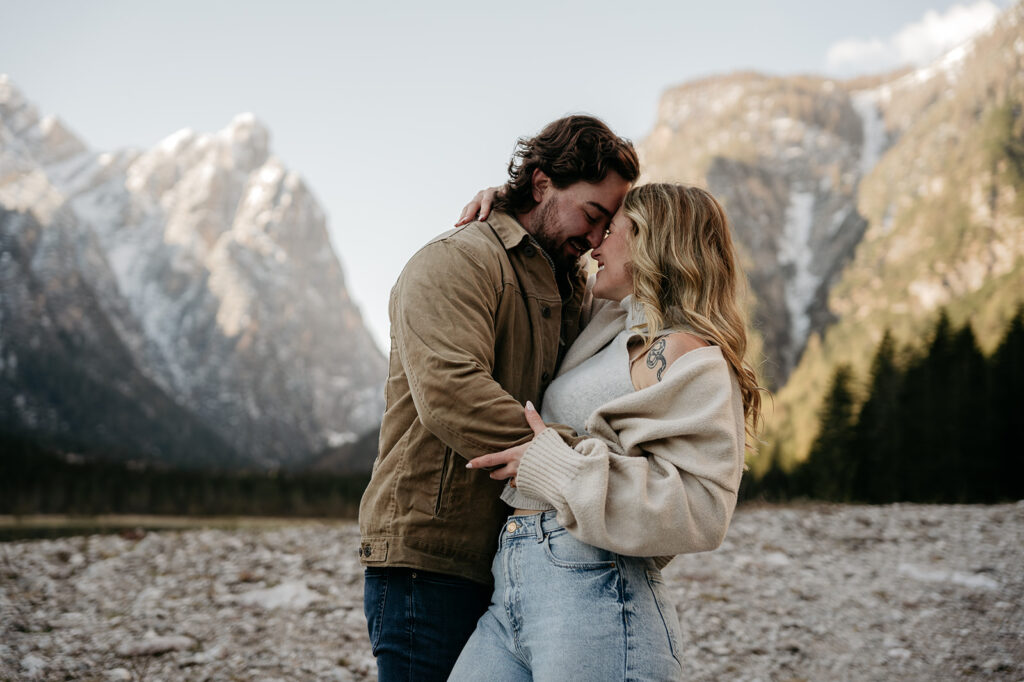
(595, 237)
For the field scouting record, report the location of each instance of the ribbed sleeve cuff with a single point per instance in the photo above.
(547, 468)
(517, 500)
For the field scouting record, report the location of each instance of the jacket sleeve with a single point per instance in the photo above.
(443, 311)
(661, 474)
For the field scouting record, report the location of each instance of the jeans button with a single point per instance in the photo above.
(512, 526)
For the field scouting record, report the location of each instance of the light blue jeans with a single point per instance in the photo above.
(566, 610)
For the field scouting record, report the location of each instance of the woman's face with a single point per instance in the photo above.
(613, 279)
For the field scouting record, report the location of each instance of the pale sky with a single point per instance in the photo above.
(396, 113)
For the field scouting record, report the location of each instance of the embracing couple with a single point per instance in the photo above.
(505, 544)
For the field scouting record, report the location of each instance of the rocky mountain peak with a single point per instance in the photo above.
(239, 148)
(797, 161)
(44, 138)
(785, 155)
(944, 220)
(247, 140)
(208, 264)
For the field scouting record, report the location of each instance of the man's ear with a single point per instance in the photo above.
(541, 184)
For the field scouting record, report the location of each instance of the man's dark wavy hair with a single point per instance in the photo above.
(570, 150)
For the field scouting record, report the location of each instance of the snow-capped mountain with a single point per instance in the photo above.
(194, 279)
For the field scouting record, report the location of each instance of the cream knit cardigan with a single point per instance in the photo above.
(660, 473)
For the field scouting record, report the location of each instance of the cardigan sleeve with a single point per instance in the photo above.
(661, 473)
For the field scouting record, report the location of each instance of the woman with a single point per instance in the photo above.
(657, 388)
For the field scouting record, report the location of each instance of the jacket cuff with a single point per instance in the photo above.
(547, 468)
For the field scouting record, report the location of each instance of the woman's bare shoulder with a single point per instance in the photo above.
(648, 367)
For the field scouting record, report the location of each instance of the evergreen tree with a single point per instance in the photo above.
(827, 472)
(877, 443)
(925, 428)
(774, 484)
(968, 450)
(1006, 405)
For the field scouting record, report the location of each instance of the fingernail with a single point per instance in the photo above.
(529, 406)
(469, 465)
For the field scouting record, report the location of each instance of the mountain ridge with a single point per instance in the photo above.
(211, 265)
(203, 266)
(915, 208)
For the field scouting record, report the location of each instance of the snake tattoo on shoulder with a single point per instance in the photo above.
(656, 357)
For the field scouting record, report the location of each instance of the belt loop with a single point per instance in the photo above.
(540, 528)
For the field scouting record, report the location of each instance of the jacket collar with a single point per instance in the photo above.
(513, 234)
(508, 229)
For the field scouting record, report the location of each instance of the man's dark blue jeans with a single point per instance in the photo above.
(419, 621)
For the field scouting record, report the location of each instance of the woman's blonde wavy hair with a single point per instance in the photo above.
(685, 274)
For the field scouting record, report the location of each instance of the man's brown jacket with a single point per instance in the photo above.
(477, 328)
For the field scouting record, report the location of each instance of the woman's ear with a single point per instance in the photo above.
(541, 184)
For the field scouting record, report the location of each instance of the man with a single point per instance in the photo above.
(479, 320)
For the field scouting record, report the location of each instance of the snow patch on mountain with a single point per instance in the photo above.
(865, 103)
(797, 256)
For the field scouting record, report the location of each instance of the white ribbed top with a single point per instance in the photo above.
(573, 396)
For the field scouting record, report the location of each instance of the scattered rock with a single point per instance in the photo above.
(790, 645)
(151, 646)
(775, 559)
(788, 596)
(940, 575)
(292, 594)
(993, 664)
(32, 666)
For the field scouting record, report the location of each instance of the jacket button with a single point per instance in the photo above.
(545, 376)
(529, 251)
(367, 551)
(360, 551)
(546, 311)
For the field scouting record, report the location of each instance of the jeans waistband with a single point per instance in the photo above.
(532, 524)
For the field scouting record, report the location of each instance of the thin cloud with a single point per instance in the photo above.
(915, 44)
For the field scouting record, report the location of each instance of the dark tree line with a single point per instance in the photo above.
(943, 424)
(37, 480)
(946, 424)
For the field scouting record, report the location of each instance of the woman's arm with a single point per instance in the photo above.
(661, 474)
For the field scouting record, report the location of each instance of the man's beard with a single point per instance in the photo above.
(546, 226)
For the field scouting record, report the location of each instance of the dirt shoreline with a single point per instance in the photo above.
(796, 592)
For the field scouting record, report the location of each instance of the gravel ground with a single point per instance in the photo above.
(899, 592)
